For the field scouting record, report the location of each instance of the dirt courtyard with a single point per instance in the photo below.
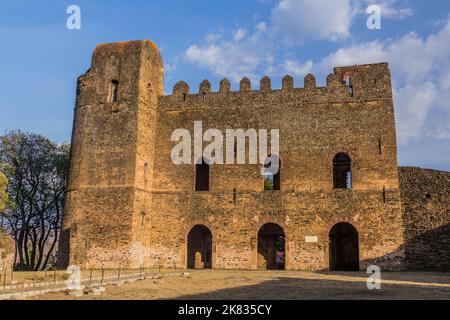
(271, 285)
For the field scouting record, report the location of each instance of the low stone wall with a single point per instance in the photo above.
(7, 248)
(426, 203)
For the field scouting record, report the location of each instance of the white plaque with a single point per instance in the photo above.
(311, 239)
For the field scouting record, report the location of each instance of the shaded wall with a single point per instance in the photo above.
(426, 202)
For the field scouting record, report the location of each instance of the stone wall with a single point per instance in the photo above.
(7, 248)
(128, 203)
(426, 202)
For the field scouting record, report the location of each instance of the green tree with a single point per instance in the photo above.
(36, 169)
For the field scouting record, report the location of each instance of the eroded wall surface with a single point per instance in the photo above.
(426, 201)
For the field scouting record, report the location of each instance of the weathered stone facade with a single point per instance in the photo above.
(426, 200)
(7, 248)
(129, 204)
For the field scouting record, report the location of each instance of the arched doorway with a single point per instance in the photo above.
(344, 248)
(199, 248)
(271, 247)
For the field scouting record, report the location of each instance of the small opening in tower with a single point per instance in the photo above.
(348, 83)
(204, 95)
(380, 149)
(202, 176)
(184, 97)
(78, 87)
(272, 179)
(114, 91)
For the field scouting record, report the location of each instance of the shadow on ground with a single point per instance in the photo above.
(284, 288)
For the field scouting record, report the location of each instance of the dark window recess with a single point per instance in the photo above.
(380, 146)
(384, 195)
(342, 171)
(184, 97)
(272, 180)
(114, 91)
(234, 195)
(78, 87)
(202, 176)
(204, 95)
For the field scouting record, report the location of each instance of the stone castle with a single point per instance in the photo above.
(337, 202)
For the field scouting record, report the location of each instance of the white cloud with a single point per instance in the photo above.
(389, 8)
(420, 67)
(299, 20)
(239, 34)
(241, 56)
(297, 69)
(413, 104)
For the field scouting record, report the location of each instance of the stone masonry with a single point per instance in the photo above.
(7, 248)
(128, 204)
(426, 201)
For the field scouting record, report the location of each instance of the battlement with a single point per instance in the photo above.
(126, 195)
(370, 81)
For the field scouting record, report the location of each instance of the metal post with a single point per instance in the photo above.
(4, 277)
(103, 273)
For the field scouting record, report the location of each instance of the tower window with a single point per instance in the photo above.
(272, 177)
(380, 146)
(202, 176)
(114, 95)
(342, 171)
(348, 83)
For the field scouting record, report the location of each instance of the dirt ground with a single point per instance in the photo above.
(273, 285)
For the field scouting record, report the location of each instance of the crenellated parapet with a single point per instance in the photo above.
(359, 82)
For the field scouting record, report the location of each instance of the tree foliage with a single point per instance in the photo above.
(36, 169)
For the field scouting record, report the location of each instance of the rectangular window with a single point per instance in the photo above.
(114, 95)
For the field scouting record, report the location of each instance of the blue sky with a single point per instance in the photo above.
(41, 58)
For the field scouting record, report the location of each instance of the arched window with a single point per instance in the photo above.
(114, 94)
(272, 176)
(202, 176)
(342, 171)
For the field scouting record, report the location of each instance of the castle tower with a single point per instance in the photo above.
(111, 162)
